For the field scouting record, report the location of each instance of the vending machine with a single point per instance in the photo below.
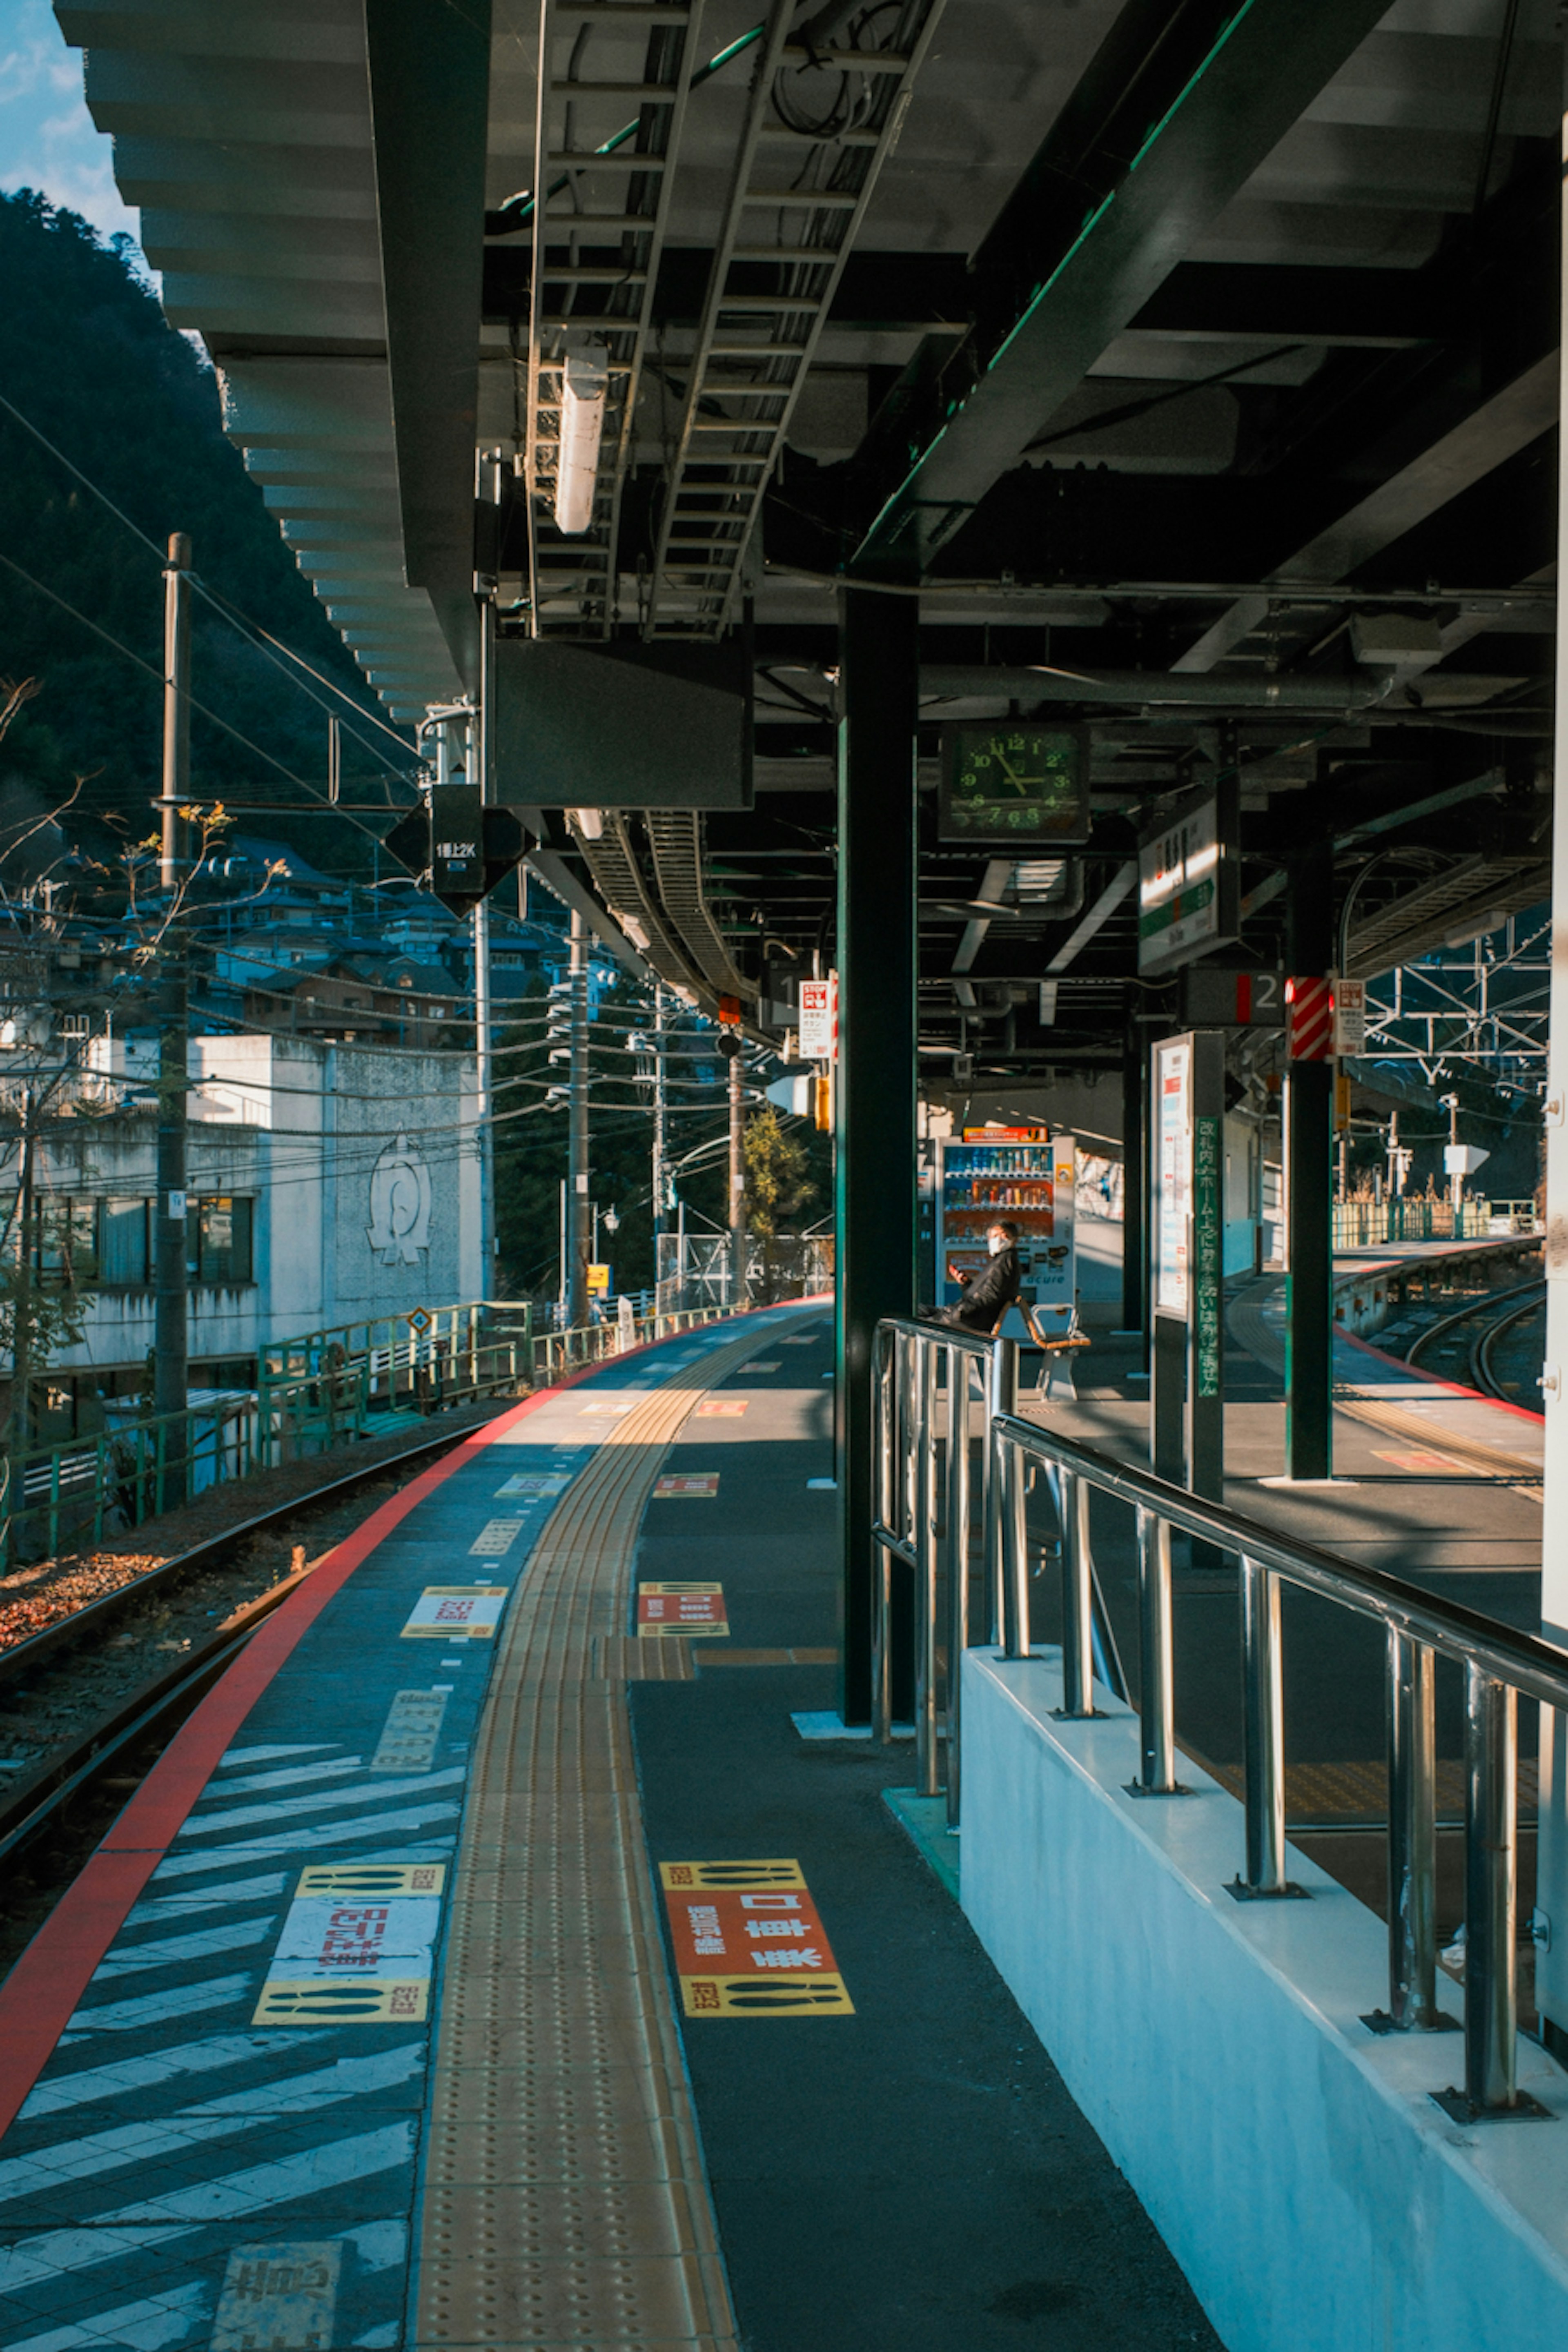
(1019, 1174)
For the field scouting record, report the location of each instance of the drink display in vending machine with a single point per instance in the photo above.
(1022, 1175)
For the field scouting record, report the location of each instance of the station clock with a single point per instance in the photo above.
(1009, 784)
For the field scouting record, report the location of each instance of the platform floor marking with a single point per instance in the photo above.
(374, 1878)
(167, 1952)
(153, 2008)
(154, 2140)
(773, 1366)
(721, 1408)
(534, 1485)
(300, 1776)
(1418, 1460)
(408, 1737)
(749, 1941)
(355, 1832)
(326, 1801)
(456, 1612)
(132, 2229)
(148, 2326)
(699, 1484)
(603, 1405)
(278, 2295)
(237, 1756)
(88, 2085)
(801, 1339)
(673, 1611)
(155, 1910)
(496, 1536)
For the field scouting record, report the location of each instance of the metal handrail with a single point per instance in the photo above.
(1499, 1663)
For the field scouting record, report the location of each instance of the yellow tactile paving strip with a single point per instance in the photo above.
(566, 2200)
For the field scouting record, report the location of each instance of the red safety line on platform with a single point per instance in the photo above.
(45, 1988)
(1436, 1380)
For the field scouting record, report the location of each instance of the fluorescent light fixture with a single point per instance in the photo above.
(589, 822)
(585, 388)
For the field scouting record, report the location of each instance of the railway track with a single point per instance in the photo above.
(1525, 1300)
(139, 1721)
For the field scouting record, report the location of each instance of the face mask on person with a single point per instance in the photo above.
(995, 1243)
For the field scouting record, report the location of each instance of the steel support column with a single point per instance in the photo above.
(1134, 1185)
(1552, 1958)
(874, 1187)
(1309, 1195)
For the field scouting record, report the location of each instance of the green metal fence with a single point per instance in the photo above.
(315, 1391)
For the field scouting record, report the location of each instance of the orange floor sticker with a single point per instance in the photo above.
(749, 1943)
(721, 1408)
(686, 1609)
(702, 1484)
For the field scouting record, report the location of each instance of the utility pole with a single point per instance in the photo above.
(660, 1144)
(577, 1135)
(737, 1188)
(176, 791)
(22, 1309)
(171, 1341)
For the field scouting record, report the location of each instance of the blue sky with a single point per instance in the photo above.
(47, 138)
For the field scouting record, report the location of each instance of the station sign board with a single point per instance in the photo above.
(819, 1019)
(1187, 1366)
(1188, 893)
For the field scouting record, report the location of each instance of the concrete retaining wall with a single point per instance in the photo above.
(1293, 2161)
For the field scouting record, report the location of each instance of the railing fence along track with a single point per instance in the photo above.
(319, 1389)
(913, 1364)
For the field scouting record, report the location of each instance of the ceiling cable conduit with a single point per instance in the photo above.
(954, 681)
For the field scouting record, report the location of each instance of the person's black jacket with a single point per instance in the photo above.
(989, 1296)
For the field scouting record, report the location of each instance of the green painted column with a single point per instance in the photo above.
(874, 1188)
(1309, 1189)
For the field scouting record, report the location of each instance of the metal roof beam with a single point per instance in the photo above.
(429, 94)
(1213, 124)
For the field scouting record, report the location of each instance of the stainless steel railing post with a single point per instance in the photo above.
(908, 1442)
(1078, 1599)
(1001, 1397)
(1491, 1894)
(1157, 1709)
(1411, 1834)
(882, 1400)
(928, 1781)
(1263, 1728)
(1014, 1563)
(957, 1509)
(881, 1645)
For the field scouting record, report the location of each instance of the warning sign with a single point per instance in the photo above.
(749, 1943)
(456, 1612)
(702, 1484)
(721, 1408)
(351, 1958)
(684, 1609)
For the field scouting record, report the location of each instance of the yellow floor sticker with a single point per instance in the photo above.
(352, 1954)
(701, 1486)
(695, 1610)
(749, 1942)
(385, 2001)
(1424, 1462)
(721, 1408)
(456, 1612)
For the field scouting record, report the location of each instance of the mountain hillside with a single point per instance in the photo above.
(88, 357)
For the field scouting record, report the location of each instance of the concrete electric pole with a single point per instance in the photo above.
(171, 1377)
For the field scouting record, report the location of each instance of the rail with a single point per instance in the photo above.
(319, 1391)
(1498, 1664)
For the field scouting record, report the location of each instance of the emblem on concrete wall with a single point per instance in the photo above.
(399, 1228)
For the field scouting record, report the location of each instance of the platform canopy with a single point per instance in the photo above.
(1194, 367)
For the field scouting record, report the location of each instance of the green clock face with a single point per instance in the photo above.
(1013, 784)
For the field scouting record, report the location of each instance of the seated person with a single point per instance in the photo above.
(987, 1296)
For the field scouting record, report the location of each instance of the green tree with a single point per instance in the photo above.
(778, 1182)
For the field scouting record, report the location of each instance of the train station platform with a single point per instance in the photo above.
(475, 1969)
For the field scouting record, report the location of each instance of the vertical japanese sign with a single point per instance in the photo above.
(1172, 1170)
(1049, 1254)
(1209, 1229)
(819, 1019)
